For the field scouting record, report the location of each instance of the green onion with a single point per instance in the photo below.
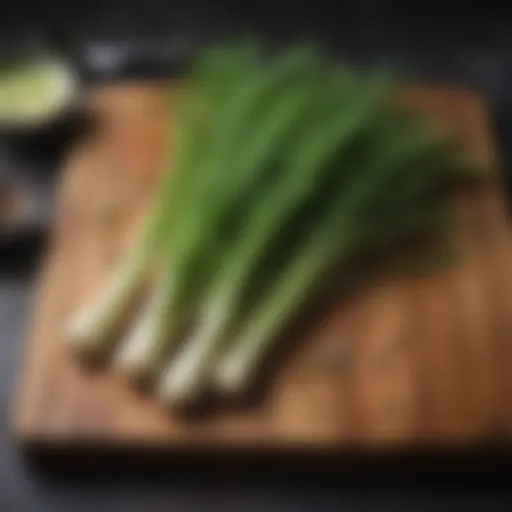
(285, 174)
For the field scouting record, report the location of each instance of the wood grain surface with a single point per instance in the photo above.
(411, 361)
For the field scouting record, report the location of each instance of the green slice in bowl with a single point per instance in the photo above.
(34, 91)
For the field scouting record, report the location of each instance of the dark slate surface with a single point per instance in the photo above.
(451, 42)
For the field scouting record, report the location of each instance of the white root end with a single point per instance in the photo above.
(180, 384)
(89, 330)
(184, 379)
(227, 377)
(133, 359)
(82, 331)
(139, 356)
(232, 375)
(235, 372)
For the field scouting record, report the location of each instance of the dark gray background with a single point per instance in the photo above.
(469, 43)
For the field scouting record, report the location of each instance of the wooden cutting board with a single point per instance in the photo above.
(408, 362)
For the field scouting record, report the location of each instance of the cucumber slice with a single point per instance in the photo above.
(33, 91)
